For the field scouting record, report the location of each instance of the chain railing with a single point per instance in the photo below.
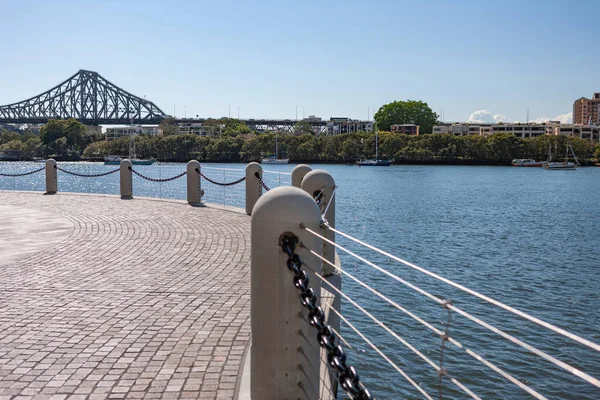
(336, 357)
(261, 181)
(242, 179)
(158, 179)
(35, 171)
(87, 175)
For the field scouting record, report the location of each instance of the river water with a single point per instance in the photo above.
(524, 236)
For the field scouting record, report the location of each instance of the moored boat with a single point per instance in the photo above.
(527, 162)
(116, 160)
(374, 163)
(274, 159)
(562, 165)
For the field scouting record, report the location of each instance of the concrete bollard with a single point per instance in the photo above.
(51, 176)
(313, 183)
(298, 174)
(126, 179)
(253, 186)
(194, 190)
(285, 350)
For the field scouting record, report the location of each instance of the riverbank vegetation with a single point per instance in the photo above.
(68, 140)
(497, 149)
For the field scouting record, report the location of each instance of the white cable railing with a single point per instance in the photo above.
(575, 371)
(394, 335)
(438, 332)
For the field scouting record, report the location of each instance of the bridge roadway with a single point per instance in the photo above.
(108, 298)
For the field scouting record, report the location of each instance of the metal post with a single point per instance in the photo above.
(285, 350)
(126, 179)
(253, 186)
(51, 177)
(298, 174)
(194, 190)
(313, 183)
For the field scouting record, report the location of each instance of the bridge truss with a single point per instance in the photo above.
(87, 97)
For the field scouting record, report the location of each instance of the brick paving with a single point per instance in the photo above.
(140, 299)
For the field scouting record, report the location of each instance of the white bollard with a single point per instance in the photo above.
(313, 183)
(51, 176)
(285, 350)
(126, 179)
(298, 174)
(253, 186)
(194, 189)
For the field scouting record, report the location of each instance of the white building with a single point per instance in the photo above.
(588, 132)
(340, 125)
(113, 133)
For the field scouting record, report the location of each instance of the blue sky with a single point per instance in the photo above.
(334, 58)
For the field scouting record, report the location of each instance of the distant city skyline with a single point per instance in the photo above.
(480, 62)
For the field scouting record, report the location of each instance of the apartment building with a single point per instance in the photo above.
(407, 129)
(113, 133)
(588, 132)
(587, 111)
(340, 125)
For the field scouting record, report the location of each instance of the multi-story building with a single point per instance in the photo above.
(339, 125)
(588, 132)
(113, 133)
(587, 111)
(407, 129)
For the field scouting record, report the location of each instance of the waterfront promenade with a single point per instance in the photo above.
(106, 298)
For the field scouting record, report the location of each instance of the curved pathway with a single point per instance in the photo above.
(121, 299)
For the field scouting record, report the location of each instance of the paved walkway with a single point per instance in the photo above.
(121, 299)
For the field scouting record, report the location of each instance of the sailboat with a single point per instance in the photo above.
(116, 160)
(375, 162)
(564, 165)
(275, 158)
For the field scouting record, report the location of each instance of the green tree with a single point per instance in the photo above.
(9, 136)
(406, 112)
(597, 153)
(169, 126)
(303, 127)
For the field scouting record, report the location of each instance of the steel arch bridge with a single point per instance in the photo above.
(87, 97)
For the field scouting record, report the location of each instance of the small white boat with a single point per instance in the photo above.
(564, 165)
(561, 165)
(275, 158)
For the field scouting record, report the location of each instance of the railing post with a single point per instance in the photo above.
(194, 190)
(285, 350)
(253, 186)
(298, 174)
(126, 179)
(51, 176)
(313, 183)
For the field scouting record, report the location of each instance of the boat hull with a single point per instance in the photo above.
(275, 161)
(565, 166)
(374, 163)
(133, 162)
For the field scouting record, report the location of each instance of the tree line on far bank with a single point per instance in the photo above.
(497, 149)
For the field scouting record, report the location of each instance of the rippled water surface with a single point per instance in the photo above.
(527, 237)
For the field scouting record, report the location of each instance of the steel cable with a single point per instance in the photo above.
(590, 379)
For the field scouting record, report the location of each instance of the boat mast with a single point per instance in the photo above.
(376, 145)
(276, 148)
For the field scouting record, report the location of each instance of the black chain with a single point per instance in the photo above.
(156, 179)
(87, 175)
(262, 183)
(336, 357)
(220, 183)
(24, 173)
